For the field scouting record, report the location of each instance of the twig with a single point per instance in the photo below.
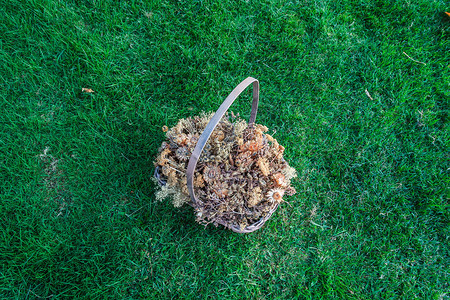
(368, 95)
(129, 215)
(175, 169)
(419, 62)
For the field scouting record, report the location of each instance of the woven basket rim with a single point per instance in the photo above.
(249, 228)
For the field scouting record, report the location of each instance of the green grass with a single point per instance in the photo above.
(77, 207)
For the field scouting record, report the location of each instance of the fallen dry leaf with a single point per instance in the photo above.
(86, 90)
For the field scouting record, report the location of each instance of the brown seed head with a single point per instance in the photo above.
(210, 173)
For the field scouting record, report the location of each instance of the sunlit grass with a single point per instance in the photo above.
(358, 94)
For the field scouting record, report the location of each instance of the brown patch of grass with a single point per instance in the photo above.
(54, 182)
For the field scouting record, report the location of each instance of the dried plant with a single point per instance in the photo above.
(241, 174)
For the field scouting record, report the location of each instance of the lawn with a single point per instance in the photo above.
(357, 92)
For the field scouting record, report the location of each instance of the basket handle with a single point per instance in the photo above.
(213, 123)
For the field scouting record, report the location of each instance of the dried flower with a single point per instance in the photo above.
(218, 135)
(275, 195)
(162, 157)
(239, 127)
(220, 189)
(269, 137)
(187, 125)
(279, 180)
(192, 140)
(211, 173)
(172, 179)
(289, 172)
(261, 128)
(255, 197)
(199, 181)
(290, 191)
(253, 146)
(166, 170)
(263, 166)
(182, 153)
(181, 139)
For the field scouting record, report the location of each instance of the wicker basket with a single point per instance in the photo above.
(203, 140)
